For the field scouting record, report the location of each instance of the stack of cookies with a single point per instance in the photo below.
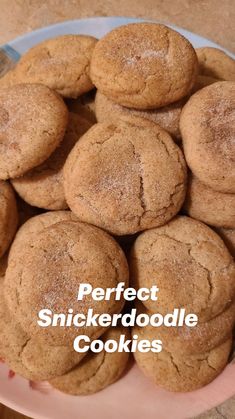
(162, 109)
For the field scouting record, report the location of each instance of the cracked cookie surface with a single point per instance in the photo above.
(97, 370)
(178, 372)
(111, 181)
(47, 273)
(61, 63)
(43, 186)
(214, 62)
(33, 120)
(144, 65)
(207, 124)
(29, 230)
(8, 216)
(167, 117)
(189, 263)
(31, 358)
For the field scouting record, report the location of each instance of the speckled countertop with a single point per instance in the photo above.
(213, 19)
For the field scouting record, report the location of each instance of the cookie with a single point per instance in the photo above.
(33, 120)
(29, 357)
(47, 272)
(211, 207)
(178, 372)
(97, 370)
(144, 65)
(26, 211)
(61, 63)
(84, 106)
(193, 340)
(30, 229)
(43, 186)
(190, 265)
(167, 117)
(111, 181)
(216, 63)
(207, 124)
(8, 216)
(228, 236)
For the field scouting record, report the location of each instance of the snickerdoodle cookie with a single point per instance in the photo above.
(48, 270)
(228, 236)
(61, 63)
(210, 206)
(207, 125)
(144, 65)
(33, 120)
(125, 177)
(192, 340)
(216, 63)
(189, 263)
(43, 186)
(178, 372)
(35, 225)
(8, 216)
(29, 357)
(97, 370)
(167, 117)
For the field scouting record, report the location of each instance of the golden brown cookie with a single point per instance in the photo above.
(31, 358)
(97, 370)
(33, 120)
(47, 273)
(214, 62)
(211, 207)
(125, 177)
(144, 65)
(61, 63)
(30, 229)
(167, 117)
(190, 265)
(178, 372)
(43, 186)
(193, 340)
(228, 236)
(8, 216)
(207, 124)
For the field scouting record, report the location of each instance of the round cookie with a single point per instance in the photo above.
(178, 372)
(207, 125)
(33, 120)
(144, 65)
(167, 117)
(31, 357)
(193, 340)
(48, 270)
(125, 177)
(8, 216)
(216, 63)
(190, 265)
(211, 207)
(97, 370)
(61, 63)
(30, 229)
(228, 236)
(43, 186)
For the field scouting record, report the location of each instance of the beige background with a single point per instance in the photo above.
(214, 19)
